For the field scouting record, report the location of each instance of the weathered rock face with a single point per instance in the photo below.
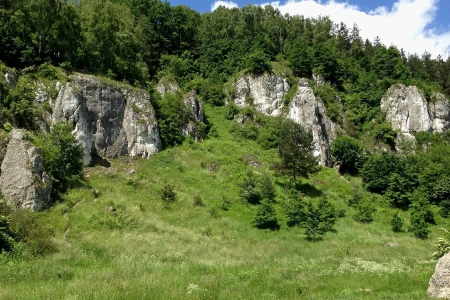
(266, 92)
(195, 108)
(407, 110)
(439, 285)
(109, 121)
(309, 111)
(165, 87)
(23, 180)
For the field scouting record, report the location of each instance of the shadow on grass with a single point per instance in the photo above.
(308, 189)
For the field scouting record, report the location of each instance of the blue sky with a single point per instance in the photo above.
(414, 25)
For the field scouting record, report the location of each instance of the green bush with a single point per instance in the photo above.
(231, 111)
(62, 155)
(6, 234)
(266, 217)
(349, 153)
(295, 210)
(320, 219)
(250, 192)
(378, 169)
(267, 188)
(168, 194)
(257, 62)
(356, 197)
(444, 209)
(397, 223)
(364, 211)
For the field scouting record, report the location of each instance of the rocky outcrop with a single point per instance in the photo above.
(23, 181)
(408, 111)
(439, 285)
(266, 92)
(309, 111)
(193, 105)
(195, 109)
(165, 87)
(11, 78)
(109, 120)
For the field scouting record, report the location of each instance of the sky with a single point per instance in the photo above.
(415, 26)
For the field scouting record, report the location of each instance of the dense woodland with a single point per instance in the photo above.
(140, 42)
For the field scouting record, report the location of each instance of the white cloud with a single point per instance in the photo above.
(227, 4)
(403, 25)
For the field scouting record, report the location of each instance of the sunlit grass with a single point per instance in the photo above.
(125, 243)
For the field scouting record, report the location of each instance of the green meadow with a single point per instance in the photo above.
(116, 238)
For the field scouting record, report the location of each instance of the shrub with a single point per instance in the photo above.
(378, 169)
(198, 201)
(295, 210)
(231, 111)
(257, 62)
(357, 196)
(6, 234)
(442, 245)
(419, 227)
(320, 220)
(249, 189)
(268, 191)
(349, 153)
(364, 211)
(62, 155)
(266, 217)
(444, 209)
(397, 223)
(168, 194)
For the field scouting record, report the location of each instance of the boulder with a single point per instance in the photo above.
(164, 87)
(309, 111)
(23, 181)
(439, 285)
(110, 120)
(266, 92)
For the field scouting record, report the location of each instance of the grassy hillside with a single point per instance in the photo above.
(125, 243)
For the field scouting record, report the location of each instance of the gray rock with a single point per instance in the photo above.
(164, 87)
(23, 180)
(266, 92)
(309, 111)
(408, 111)
(109, 120)
(195, 108)
(11, 78)
(439, 285)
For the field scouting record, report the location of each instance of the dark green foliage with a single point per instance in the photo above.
(266, 217)
(320, 219)
(399, 190)
(349, 153)
(267, 188)
(62, 154)
(444, 209)
(330, 98)
(296, 151)
(18, 106)
(378, 169)
(6, 234)
(418, 226)
(250, 192)
(232, 111)
(385, 134)
(257, 62)
(269, 132)
(168, 194)
(364, 211)
(172, 116)
(198, 201)
(396, 223)
(295, 210)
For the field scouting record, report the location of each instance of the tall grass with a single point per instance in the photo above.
(125, 243)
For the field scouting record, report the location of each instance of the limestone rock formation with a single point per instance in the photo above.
(109, 120)
(23, 181)
(165, 87)
(309, 111)
(408, 111)
(439, 285)
(195, 108)
(265, 92)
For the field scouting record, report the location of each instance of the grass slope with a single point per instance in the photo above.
(146, 250)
